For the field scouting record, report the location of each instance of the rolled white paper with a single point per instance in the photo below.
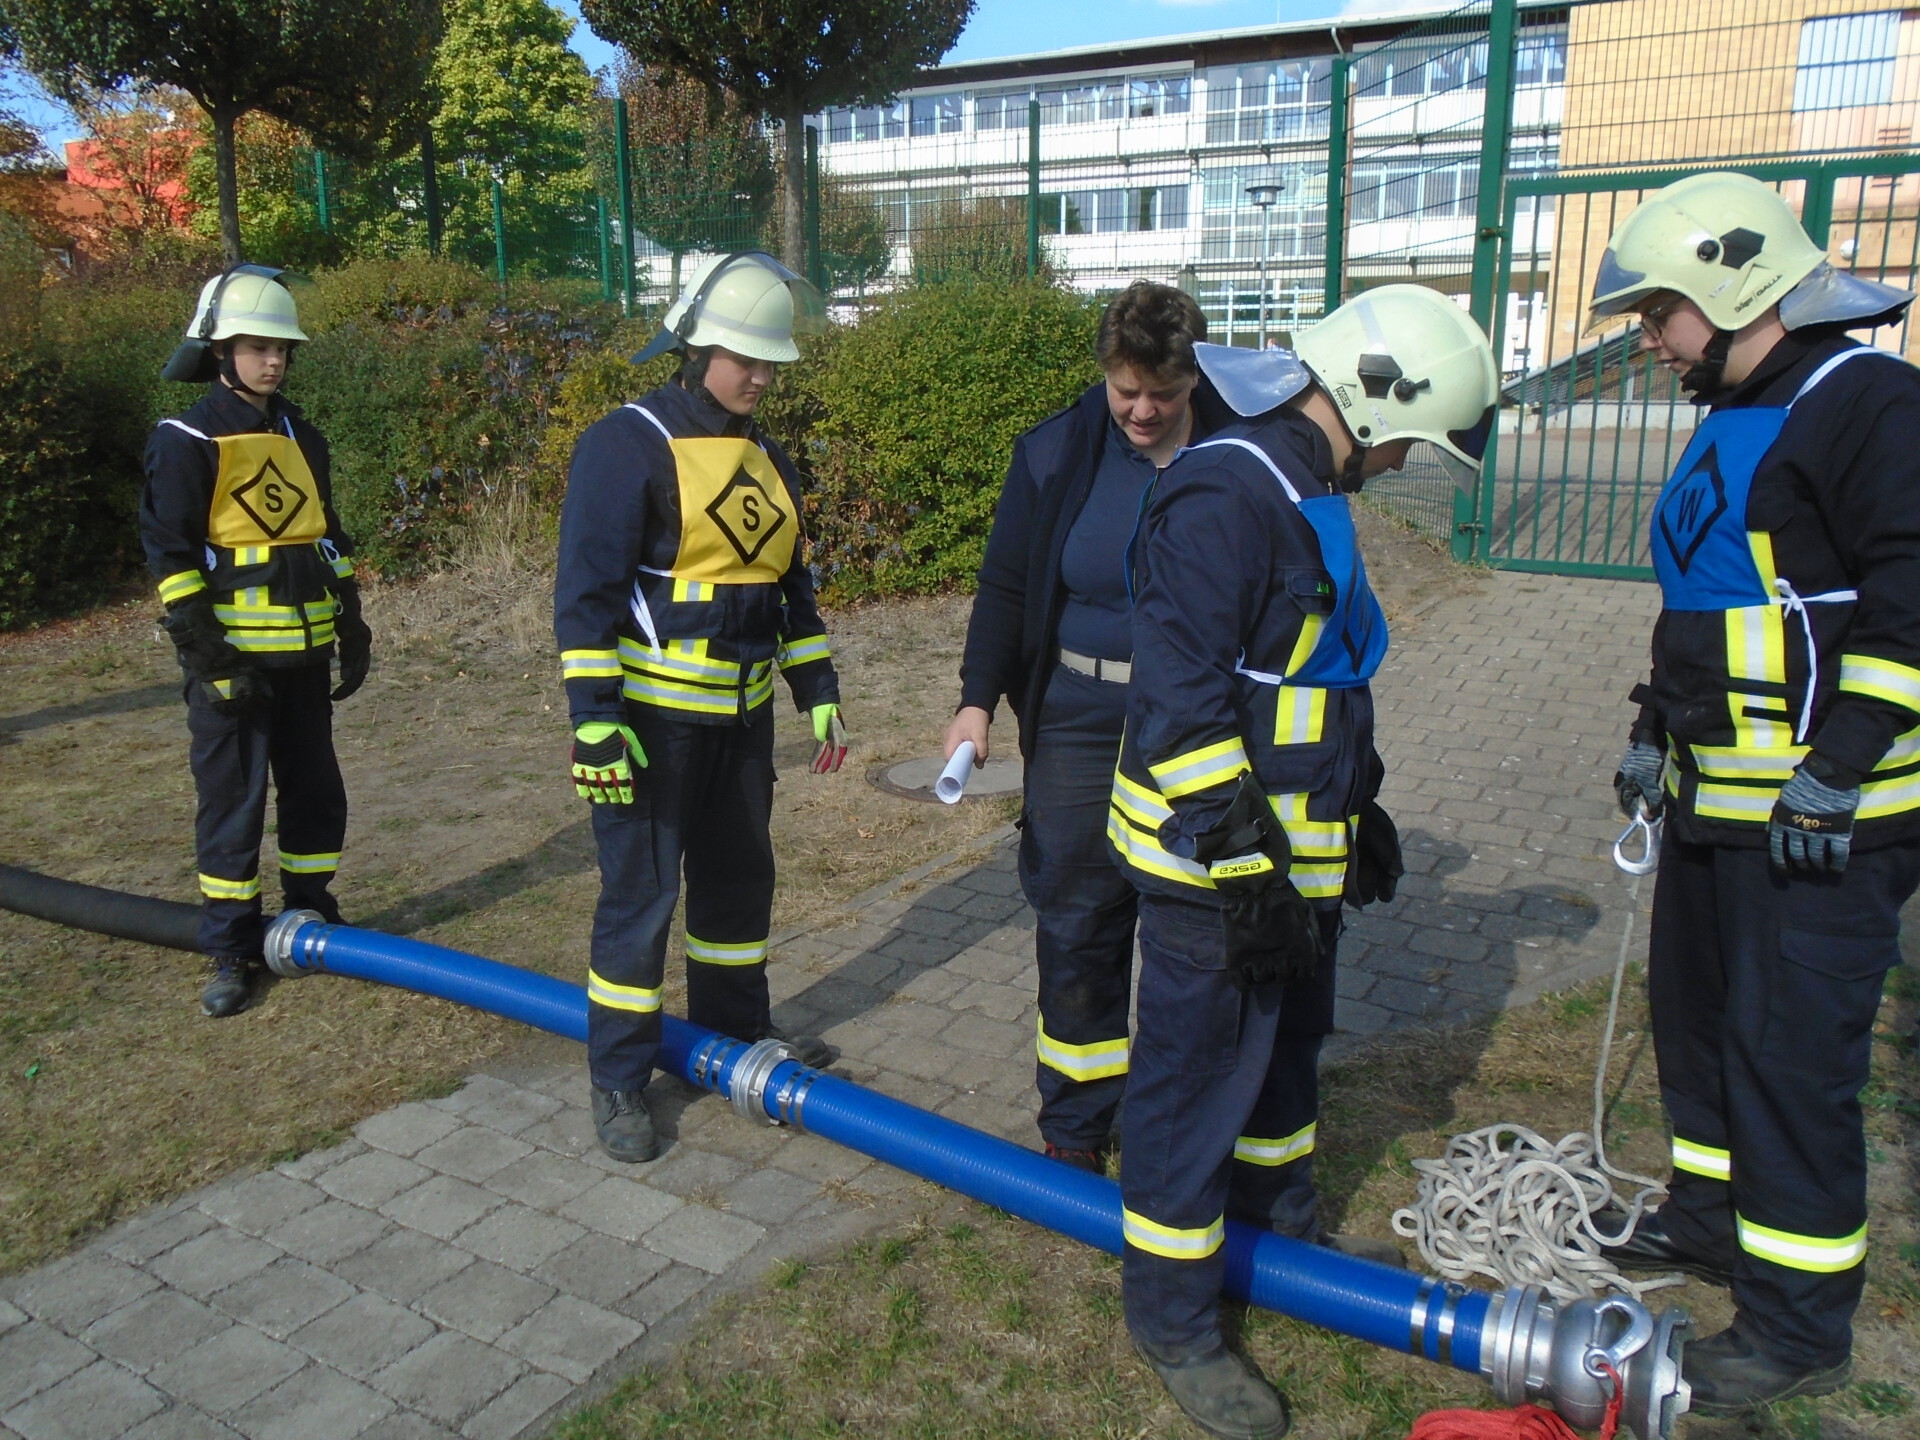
(953, 779)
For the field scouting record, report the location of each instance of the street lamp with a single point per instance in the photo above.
(1262, 197)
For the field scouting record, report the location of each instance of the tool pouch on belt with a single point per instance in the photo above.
(1272, 935)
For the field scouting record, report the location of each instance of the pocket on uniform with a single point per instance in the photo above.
(1842, 957)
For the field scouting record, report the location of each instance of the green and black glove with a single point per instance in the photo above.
(353, 640)
(232, 684)
(604, 755)
(1272, 934)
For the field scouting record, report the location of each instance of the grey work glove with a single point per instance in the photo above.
(1637, 781)
(1812, 825)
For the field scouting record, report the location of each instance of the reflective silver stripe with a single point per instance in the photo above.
(182, 425)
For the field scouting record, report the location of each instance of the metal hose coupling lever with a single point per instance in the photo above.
(1537, 1349)
(1649, 828)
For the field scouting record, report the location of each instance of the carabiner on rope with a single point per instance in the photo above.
(1649, 828)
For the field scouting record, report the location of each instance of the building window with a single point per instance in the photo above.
(936, 115)
(1102, 212)
(1233, 227)
(1847, 60)
(1540, 57)
(1273, 100)
(872, 122)
(1410, 71)
(1003, 110)
(1162, 95)
(1413, 188)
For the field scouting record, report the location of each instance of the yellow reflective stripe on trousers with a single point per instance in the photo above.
(803, 650)
(1300, 715)
(1882, 679)
(1173, 1243)
(1697, 1159)
(590, 664)
(1275, 1152)
(1802, 1252)
(622, 997)
(711, 952)
(214, 888)
(1201, 769)
(1099, 1060)
(309, 864)
(180, 585)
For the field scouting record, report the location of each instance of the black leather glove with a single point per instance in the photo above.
(353, 640)
(1377, 866)
(1272, 934)
(200, 641)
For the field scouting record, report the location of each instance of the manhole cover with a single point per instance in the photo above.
(914, 779)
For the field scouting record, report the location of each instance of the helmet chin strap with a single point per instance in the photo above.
(1350, 479)
(1704, 379)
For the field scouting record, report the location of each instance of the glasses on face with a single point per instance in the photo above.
(1653, 320)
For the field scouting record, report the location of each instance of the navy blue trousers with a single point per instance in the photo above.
(1764, 990)
(1084, 907)
(1220, 1123)
(287, 736)
(703, 802)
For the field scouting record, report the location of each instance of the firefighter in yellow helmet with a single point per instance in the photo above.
(238, 524)
(682, 587)
(1779, 733)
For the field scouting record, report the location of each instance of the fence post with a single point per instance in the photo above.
(499, 235)
(1489, 234)
(816, 265)
(1816, 211)
(623, 176)
(320, 190)
(1337, 142)
(430, 165)
(1033, 188)
(606, 257)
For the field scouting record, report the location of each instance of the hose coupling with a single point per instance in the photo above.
(279, 949)
(1541, 1350)
(751, 1072)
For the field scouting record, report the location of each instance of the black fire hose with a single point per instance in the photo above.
(166, 923)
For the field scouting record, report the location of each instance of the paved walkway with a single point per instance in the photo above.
(472, 1266)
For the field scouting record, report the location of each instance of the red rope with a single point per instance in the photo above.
(1525, 1422)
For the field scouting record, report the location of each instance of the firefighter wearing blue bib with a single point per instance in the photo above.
(1243, 806)
(1779, 733)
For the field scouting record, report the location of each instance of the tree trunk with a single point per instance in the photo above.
(673, 284)
(226, 167)
(793, 176)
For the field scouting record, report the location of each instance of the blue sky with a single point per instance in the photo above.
(998, 27)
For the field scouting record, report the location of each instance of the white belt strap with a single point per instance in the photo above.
(1259, 677)
(1794, 603)
(1118, 671)
(668, 434)
(182, 425)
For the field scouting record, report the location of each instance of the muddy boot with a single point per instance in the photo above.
(225, 992)
(625, 1125)
(1731, 1375)
(1222, 1394)
(1365, 1247)
(1094, 1161)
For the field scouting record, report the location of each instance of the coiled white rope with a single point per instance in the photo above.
(1507, 1204)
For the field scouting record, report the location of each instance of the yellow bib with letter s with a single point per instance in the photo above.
(264, 494)
(737, 521)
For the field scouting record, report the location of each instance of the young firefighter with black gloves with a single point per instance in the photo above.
(238, 524)
(1244, 808)
(682, 584)
(1779, 732)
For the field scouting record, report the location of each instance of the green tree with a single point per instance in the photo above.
(981, 238)
(350, 73)
(784, 59)
(856, 247)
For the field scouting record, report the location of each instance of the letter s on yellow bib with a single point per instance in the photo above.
(737, 525)
(264, 494)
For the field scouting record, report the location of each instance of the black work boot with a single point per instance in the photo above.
(625, 1125)
(1730, 1374)
(225, 992)
(807, 1049)
(1094, 1160)
(1365, 1247)
(1223, 1394)
(1651, 1248)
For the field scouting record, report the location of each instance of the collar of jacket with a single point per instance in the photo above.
(233, 413)
(709, 417)
(1782, 369)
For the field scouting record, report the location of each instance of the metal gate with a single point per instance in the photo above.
(1589, 427)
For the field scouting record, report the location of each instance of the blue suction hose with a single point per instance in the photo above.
(1529, 1347)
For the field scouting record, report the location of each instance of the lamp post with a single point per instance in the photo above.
(1262, 196)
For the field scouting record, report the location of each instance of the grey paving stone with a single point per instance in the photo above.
(442, 1207)
(372, 1179)
(812, 1158)
(484, 1300)
(154, 1329)
(473, 1152)
(10, 1316)
(519, 1237)
(212, 1261)
(222, 1373)
(506, 1108)
(992, 959)
(316, 1404)
(933, 987)
(328, 1233)
(1012, 1003)
(688, 1171)
(406, 1129)
(666, 1293)
(524, 1402)
(364, 1335)
(34, 1356)
(983, 1035)
(100, 1401)
(149, 1236)
(282, 1297)
(707, 1238)
(407, 1425)
(182, 1422)
(75, 1292)
(571, 1337)
(599, 1268)
(260, 1202)
(769, 1196)
(314, 1162)
(621, 1208)
(450, 1377)
(544, 1180)
(403, 1266)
